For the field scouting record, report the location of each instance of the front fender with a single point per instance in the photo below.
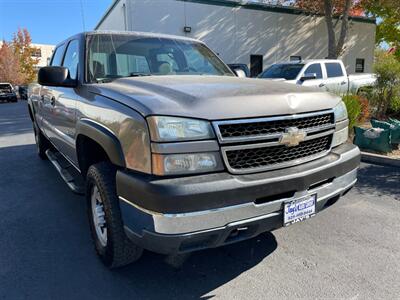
(104, 137)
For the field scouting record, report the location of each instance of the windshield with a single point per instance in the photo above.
(287, 71)
(113, 56)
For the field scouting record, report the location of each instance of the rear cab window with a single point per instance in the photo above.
(334, 70)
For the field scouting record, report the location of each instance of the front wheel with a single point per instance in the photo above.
(111, 242)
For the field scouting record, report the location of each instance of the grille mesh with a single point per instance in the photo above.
(272, 127)
(275, 155)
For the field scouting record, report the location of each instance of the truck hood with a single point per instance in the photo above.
(213, 97)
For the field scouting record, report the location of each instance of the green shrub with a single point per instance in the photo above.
(354, 109)
(387, 88)
(395, 106)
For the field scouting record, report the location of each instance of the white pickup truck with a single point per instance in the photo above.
(327, 74)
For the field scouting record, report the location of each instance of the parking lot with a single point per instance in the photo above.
(350, 250)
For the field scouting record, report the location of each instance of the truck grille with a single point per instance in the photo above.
(253, 145)
(262, 128)
(276, 156)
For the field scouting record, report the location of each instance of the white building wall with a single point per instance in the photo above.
(117, 18)
(46, 52)
(237, 32)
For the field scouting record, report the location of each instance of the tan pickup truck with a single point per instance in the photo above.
(175, 153)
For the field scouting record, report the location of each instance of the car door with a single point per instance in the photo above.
(63, 104)
(45, 108)
(319, 81)
(336, 81)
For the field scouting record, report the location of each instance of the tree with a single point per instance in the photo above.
(388, 14)
(9, 65)
(24, 51)
(331, 9)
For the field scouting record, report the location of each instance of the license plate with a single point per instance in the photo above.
(299, 210)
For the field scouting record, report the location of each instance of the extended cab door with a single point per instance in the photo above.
(336, 81)
(313, 68)
(63, 106)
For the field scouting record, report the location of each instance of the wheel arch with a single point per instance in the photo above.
(102, 143)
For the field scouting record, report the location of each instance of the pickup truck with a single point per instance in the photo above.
(327, 74)
(7, 93)
(175, 153)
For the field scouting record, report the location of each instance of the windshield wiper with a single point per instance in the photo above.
(138, 74)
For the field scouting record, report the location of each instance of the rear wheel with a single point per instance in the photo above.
(42, 144)
(111, 242)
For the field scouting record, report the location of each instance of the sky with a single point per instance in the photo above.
(50, 21)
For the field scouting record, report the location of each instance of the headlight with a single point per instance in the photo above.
(340, 112)
(174, 164)
(170, 129)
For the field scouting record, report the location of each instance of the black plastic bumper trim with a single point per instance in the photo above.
(211, 191)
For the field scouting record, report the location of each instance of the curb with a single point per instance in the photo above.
(379, 159)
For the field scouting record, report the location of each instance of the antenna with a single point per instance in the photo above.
(83, 16)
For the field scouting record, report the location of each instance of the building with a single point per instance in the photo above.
(243, 31)
(43, 53)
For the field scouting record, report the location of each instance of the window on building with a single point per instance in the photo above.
(295, 58)
(314, 68)
(71, 58)
(256, 65)
(360, 65)
(37, 52)
(334, 69)
(57, 56)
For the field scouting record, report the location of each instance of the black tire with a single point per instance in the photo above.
(14, 100)
(42, 144)
(117, 250)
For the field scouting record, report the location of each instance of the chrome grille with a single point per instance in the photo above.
(257, 129)
(253, 145)
(271, 157)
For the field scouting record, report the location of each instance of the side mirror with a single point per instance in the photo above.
(239, 73)
(55, 76)
(308, 76)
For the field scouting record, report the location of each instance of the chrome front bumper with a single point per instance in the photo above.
(205, 220)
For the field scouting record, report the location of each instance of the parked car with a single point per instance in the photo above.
(243, 67)
(327, 74)
(176, 154)
(7, 93)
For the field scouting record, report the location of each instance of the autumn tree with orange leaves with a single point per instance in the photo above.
(9, 65)
(17, 64)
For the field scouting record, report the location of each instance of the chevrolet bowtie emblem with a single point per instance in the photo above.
(292, 137)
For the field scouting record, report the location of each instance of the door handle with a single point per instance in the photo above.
(343, 82)
(53, 101)
(321, 85)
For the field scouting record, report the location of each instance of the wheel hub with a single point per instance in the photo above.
(98, 214)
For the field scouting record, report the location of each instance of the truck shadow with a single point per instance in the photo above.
(46, 246)
(201, 272)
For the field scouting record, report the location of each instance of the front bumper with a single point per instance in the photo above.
(8, 97)
(191, 213)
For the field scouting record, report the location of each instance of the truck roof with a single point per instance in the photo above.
(305, 61)
(132, 33)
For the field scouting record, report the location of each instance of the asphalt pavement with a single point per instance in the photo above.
(351, 250)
